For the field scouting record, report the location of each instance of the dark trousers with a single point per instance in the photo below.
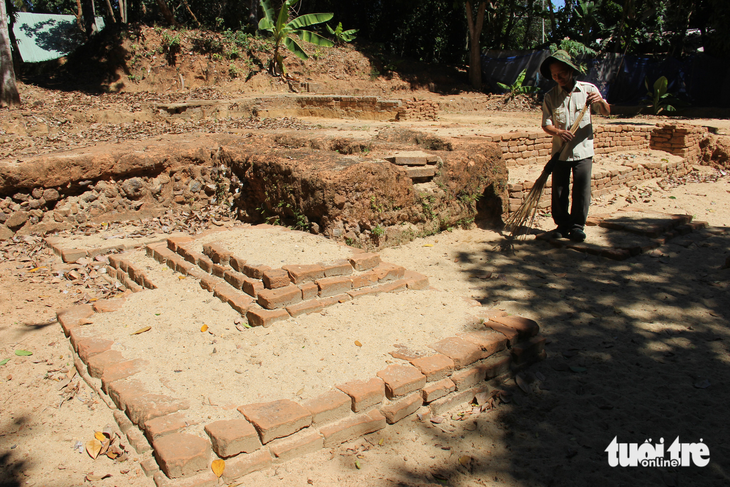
(576, 217)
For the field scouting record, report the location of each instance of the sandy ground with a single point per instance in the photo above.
(637, 349)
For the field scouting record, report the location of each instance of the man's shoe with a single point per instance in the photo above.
(577, 235)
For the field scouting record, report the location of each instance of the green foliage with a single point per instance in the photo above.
(575, 49)
(342, 36)
(233, 71)
(283, 30)
(378, 231)
(170, 46)
(659, 99)
(518, 88)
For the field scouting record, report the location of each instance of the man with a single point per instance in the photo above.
(560, 109)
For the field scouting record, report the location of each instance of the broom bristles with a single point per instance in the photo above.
(523, 218)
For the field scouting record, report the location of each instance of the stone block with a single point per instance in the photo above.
(338, 268)
(164, 425)
(276, 278)
(328, 407)
(364, 261)
(279, 298)
(401, 380)
(245, 464)
(180, 454)
(434, 367)
(331, 286)
(396, 410)
(231, 437)
(304, 273)
(352, 427)
(73, 316)
(438, 389)
(264, 317)
(364, 394)
(277, 418)
(297, 445)
(460, 351)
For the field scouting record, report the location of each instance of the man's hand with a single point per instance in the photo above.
(595, 97)
(565, 135)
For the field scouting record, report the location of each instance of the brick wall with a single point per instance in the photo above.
(418, 110)
(679, 140)
(523, 148)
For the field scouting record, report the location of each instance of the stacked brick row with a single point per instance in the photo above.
(679, 140)
(414, 110)
(604, 182)
(265, 295)
(131, 276)
(523, 148)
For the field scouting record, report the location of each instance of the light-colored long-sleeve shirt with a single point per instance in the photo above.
(561, 109)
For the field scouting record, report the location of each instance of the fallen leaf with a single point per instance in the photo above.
(357, 343)
(218, 466)
(141, 330)
(481, 398)
(181, 277)
(357, 464)
(100, 436)
(522, 383)
(428, 245)
(23, 353)
(382, 440)
(204, 328)
(93, 447)
(465, 460)
(90, 477)
(4, 361)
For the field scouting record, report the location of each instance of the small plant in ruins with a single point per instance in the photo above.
(342, 36)
(284, 31)
(659, 99)
(518, 88)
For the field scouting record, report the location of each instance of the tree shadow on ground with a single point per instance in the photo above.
(637, 349)
(11, 467)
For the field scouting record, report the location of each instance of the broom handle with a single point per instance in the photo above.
(574, 127)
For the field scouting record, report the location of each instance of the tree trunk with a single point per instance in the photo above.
(253, 14)
(9, 96)
(552, 16)
(89, 14)
(169, 18)
(475, 32)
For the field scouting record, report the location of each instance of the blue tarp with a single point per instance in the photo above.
(700, 79)
(44, 37)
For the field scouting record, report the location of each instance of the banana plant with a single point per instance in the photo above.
(518, 88)
(283, 30)
(660, 100)
(341, 35)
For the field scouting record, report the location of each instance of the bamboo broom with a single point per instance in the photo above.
(516, 223)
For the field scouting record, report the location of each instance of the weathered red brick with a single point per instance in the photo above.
(121, 391)
(209, 283)
(525, 327)
(206, 478)
(240, 302)
(225, 292)
(330, 286)
(265, 317)
(111, 272)
(438, 389)
(88, 347)
(488, 341)
(434, 367)
(497, 365)
(279, 298)
(252, 287)
(364, 394)
(97, 363)
(149, 467)
(255, 271)
(187, 253)
(297, 445)
(161, 254)
(338, 298)
(74, 316)
(245, 464)
(164, 425)
(206, 264)
(234, 278)
(440, 406)
(529, 350)
(276, 278)
(122, 370)
(386, 271)
(231, 437)
(415, 280)
(309, 290)
(143, 407)
(330, 406)
(180, 454)
(218, 270)
(217, 253)
(470, 376)
(460, 351)
(114, 259)
(365, 279)
(174, 242)
(277, 418)
(401, 380)
(338, 268)
(510, 333)
(237, 263)
(388, 287)
(138, 441)
(123, 263)
(396, 410)
(305, 307)
(364, 261)
(304, 273)
(108, 305)
(352, 427)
